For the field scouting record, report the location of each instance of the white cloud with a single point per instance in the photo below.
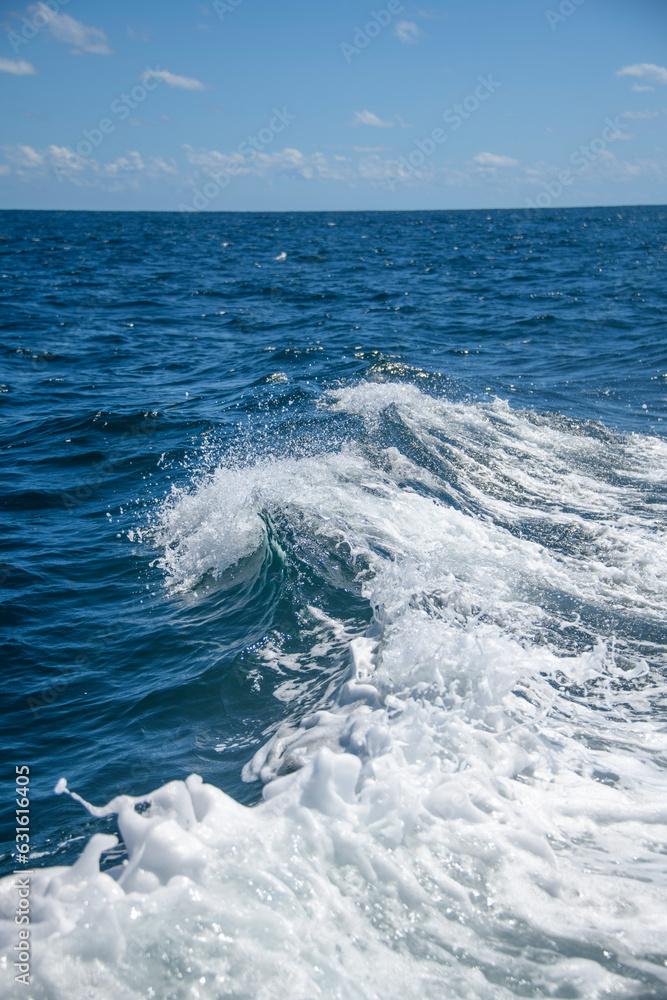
(639, 89)
(124, 164)
(647, 71)
(18, 67)
(492, 160)
(194, 168)
(636, 115)
(605, 167)
(23, 157)
(211, 159)
(285, 161)
(368, 118)
(173, 80)
(407, 32)
(72, 32)
(59, 163)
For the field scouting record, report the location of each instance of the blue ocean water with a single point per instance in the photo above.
(360, 518)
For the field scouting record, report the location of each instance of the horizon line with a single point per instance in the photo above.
(335, 211)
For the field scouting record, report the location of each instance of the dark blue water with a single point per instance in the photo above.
(140, 351)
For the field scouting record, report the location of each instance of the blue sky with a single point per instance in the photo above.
(300, 105)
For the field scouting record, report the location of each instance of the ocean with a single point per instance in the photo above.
(334, 579)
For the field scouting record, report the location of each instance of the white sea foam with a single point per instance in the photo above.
(476, 807)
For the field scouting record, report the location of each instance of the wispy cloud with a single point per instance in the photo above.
(640, 89)
(364, 166)
(173, 80)
(407, 32)
(315, 166)
(138, 34)
(125, 171)
(67, 29)
(493, 160)
(18, 67)
(647, 71)
(637, 115)
(368, 118)
(605, 166)
(24, 158)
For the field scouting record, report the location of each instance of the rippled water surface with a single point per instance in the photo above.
(334, 581)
